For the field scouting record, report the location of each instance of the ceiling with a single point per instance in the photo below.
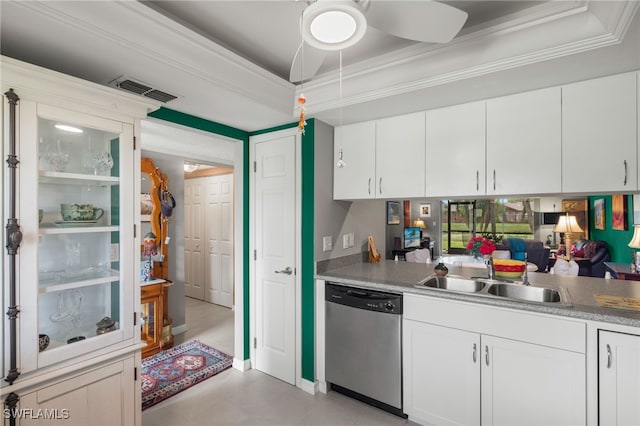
(229, 61)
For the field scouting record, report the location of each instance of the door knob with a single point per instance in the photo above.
(286, 270)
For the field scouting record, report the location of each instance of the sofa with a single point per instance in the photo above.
(591, 256)
(536, 251)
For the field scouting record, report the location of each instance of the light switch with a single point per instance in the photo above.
(345, 241)
(326, 243)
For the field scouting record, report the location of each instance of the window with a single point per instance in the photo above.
(501, 218)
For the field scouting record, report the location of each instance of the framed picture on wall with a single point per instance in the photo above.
(425, 210)
(393, 212)
(598, 213)
(619, 212)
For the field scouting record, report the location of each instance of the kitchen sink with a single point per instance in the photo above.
(526, 293)
(454, 284)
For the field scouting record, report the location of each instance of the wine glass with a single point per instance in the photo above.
(102, 163)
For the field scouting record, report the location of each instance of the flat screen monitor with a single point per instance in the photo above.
(411, 237)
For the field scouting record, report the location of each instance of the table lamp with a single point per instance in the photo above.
(419, 223)
(567, 225)
(150, 249)
(635, 244)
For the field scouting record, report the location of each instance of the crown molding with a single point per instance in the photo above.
(171, 44)
(552, 31)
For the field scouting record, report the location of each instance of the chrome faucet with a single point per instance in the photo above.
(525, 276)
(491, 270)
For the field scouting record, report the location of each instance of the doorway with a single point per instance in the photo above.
(159, 142)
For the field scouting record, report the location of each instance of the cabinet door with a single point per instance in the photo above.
(523, 383)
(455, 145)
(619, 378)
(441, 374)
(80, 241)
(400, 156)
(599, 143)
(354, 164)
(523, 143)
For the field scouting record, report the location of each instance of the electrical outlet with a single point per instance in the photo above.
(114, 254)
(326, 243)
(345, 241)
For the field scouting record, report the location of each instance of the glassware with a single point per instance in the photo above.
(102, 163)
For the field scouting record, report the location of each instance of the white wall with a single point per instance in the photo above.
(336, 218)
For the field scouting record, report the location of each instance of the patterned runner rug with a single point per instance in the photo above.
(174, 370)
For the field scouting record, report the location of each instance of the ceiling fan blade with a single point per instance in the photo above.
(313, 59)
(423, 20)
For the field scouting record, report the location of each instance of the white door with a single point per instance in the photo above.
(275, 225)
(193, 255)
(219, 231)
(619, 378)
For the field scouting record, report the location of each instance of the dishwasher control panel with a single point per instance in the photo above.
(371, 300)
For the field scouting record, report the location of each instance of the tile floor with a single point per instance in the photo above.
(252, 397)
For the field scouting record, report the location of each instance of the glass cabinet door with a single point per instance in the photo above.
(84, 230)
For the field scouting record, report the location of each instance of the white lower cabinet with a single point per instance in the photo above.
(102, 396)
(463, 366)
(619, 378)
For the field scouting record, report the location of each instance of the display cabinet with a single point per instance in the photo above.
(153, 320)
(71, 288)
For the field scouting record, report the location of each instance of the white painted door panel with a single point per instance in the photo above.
(275, 243)
(619, 378)
(441, 374)
(194, 197)
(523, 383)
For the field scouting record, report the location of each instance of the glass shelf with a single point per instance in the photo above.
(65, 280)
(77, 179)
(51, 229)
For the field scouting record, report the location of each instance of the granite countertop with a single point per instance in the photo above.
(401, 277)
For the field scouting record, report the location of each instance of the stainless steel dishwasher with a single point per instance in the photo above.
(364, 345)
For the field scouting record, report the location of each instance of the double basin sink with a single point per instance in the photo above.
(497, 288)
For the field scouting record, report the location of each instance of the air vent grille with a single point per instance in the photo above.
(136, 87)
(159, 95)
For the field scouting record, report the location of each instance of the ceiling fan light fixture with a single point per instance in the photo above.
(330, 25)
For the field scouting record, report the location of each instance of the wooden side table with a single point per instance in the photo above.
(622, 271)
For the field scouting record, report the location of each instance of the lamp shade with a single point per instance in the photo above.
(567, 224)
(635, 241)
(419, 223)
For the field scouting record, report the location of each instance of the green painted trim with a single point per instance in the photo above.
(187, 120)
(617, 240)
(198, 123)
(274, 129)
(307, 298)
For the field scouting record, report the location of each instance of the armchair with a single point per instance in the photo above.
(594, 253)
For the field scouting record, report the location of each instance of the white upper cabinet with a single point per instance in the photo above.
(599, 141)
(400, 156)
(523, 143)
(354, 167)
(455, 143)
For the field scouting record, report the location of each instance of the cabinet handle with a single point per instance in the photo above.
(494, 179)
(475, 353)
(380, 186)
(486, 354)
(369, 186)
(608, 356)
(477, 180)
(625, 173)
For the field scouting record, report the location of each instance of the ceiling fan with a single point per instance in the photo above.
(329, 25)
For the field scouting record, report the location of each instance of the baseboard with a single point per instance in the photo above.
(179, 329)
(309, 387)
(242, 365)
(322, 387)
